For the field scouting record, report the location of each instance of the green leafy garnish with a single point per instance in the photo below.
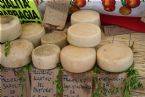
(58, 82)
(20, 73)
(7, 48)
(132, 82)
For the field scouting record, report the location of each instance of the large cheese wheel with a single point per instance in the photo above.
(19, 54)
(114, 57)
(46, 56)
(10, 28)
(56, 37)
(84, 35)
(85, 16)
(76, 59)
(33, 32)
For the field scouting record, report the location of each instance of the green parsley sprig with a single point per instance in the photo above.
(7, 48)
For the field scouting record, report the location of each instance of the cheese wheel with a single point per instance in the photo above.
(19, 54)
(76, 59)
(33, 32)
(85, 16)
(114, 57)
(57, 37)
(46, 56)
(10, 28)
(84, 35)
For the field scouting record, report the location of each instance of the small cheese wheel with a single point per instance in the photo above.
(46, 56)
(33, 32)
(19, 54)
(57, 37)
(84, 35)
(10, 28)
(85, 16)
(114, 57)
(76, 59)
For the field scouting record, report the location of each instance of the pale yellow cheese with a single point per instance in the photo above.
(46, 56)
(85, 16)
(10, 28)
(114, 57)
(32, 32)
(19, 54)
(77, 60)
(56, 37)
(84, 35)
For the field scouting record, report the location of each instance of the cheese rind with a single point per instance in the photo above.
(19, 54)
(84, 35)
(114, 57)
(46, 56)
(85, 16)
(33, 32)
(56, 37)
(77, 60)
(10, 28)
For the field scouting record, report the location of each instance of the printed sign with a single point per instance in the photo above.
(26, 10)
(43, 83)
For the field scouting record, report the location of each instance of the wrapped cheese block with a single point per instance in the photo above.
(114, 57)
(46, 56)
(10, 28)
(33, 32)
(85, 16)
(76, 59)
(56, 37)
(84, 35)
(19, 54)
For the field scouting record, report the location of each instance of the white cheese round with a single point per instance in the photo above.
(77, 60)
(33, 32)
(85, 16)
(46, 56)
(84, 35)
(10, 28)
(114, 57)
(19, 54)
(57, 37)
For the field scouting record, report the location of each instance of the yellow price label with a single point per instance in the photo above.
(26, 10)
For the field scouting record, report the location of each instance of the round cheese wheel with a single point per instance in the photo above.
(114, 57)
(85, 16)
(10, 28)
(19, 54)
(33, 32)
(46, 56)
(84, 35)
(76, 59)
(57, 37)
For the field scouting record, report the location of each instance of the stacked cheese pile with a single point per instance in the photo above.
(84, 35)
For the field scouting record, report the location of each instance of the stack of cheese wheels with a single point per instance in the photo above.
(19, 54)
(56, 37)
(10, 28)
(114, 57)
(32, 32)
(76, 59)
(84, 35)
(85, 16)
(46, 56)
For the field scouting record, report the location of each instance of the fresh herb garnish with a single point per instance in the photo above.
(7, 48)
(58, 82)
(132, 82)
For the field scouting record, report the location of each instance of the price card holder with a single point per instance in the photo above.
(43, 83)
(77, 85)
(12, 86)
